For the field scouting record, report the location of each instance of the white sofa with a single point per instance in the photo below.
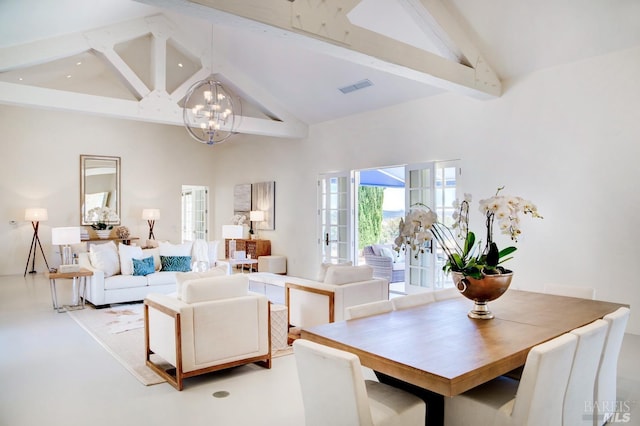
(211, 323)
(326, 299)
(113, 279)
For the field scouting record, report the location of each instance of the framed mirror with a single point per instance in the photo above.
(99, 186)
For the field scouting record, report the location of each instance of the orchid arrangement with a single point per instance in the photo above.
(239, 219)
(464, 255)
(102, 218)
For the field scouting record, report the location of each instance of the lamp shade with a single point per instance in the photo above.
(256, 216)
(35, 214)
(151, 214)
(65, 236)
(232, 231)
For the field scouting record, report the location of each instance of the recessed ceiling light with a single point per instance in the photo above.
(79, 63)
(180, 64)
(19, 78)
(69, 76)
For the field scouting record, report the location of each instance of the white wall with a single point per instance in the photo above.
(567, 138)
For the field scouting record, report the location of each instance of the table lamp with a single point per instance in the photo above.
(256, 216)
(231, 232)
(35, 216)
(151, 215)
(64, 237)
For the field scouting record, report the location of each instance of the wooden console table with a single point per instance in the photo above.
(253, 248)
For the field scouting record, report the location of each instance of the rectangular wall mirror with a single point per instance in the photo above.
(99, 185)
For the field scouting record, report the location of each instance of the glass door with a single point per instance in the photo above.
(335, 217)
(194, 212)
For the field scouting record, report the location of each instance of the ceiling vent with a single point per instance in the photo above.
(356, 86)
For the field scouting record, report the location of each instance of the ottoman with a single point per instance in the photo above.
(275, 264)
(279, 327)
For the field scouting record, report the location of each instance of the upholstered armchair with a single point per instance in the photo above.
(386, 262)
(319, 302)
(211, 324)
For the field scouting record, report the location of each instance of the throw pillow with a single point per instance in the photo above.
(156, 256)
(143, 266)
(168, 249)
(324, 266)
(387, 252)
(213, 252)
(105, 258)
(176, 263)
(127, 254)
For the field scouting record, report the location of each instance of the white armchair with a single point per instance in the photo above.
(313, 302)
(213, 323)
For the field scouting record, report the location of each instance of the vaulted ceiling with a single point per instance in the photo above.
(287, 59)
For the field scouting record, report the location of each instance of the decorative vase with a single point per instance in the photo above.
(103, 234)
(482, 291)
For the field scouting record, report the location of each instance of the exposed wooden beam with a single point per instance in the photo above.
(324, 26)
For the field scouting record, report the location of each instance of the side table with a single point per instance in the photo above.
(78, 278)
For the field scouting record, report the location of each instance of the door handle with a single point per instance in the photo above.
(326, 238)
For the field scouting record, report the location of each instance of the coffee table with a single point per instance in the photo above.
(242, 262)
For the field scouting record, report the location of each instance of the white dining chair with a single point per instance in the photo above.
(334, 391)
(447, 293)
(606, 380)
(571, 291)
(412, 300)
(536, 400)
(368, 309)
(580, 390)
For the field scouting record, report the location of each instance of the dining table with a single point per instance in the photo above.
(438, 348)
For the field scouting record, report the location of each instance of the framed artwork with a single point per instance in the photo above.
(242, 199)
(263, 197)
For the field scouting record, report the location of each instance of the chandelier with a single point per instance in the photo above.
(208, 112)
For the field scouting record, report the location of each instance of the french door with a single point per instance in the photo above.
(435, 185)
(335, 217)
(195, 202)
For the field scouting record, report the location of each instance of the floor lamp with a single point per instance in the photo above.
(151, 215)
(35, 216)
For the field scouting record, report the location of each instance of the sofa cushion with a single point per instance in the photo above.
(118, 282)
(155, 252)
(176, 263)
(105, 258)
(161, 278)
(168, 249)
(324, 266)
(127, 254)
(215, 288)
(338, 275)
(182, 277)
(143, 266)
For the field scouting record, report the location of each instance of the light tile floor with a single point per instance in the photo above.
(53, 372)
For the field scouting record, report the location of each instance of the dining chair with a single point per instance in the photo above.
(368, 309)
(412, 300)
(446, 293)
(580, 389)
(536, 400)
(571, 291)
(606, 382)
(334, 391)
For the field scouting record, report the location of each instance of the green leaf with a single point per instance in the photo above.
(506, 251)
(468, 243)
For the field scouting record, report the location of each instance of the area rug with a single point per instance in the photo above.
(120, 330)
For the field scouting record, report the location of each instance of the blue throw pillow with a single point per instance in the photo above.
(176, 263)
(143, 266)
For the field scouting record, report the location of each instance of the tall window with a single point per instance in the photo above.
(195, 214)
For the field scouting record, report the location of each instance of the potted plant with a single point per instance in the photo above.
(476, 267)
(102, 219)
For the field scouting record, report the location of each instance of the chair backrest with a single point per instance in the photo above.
(447, 293)
(412, 300)
(605, 388)
(571, 291)
(544, 381)
(368, 309)
(580, 390)
(333, 388)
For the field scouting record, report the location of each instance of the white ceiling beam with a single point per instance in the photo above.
(39, 52)
(157, 108)
(323, 26)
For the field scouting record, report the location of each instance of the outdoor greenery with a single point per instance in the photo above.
(369, 214)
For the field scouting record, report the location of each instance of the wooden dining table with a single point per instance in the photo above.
(439, 348)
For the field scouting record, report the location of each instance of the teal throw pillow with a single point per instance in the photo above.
(176, 263)
(143, 266)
